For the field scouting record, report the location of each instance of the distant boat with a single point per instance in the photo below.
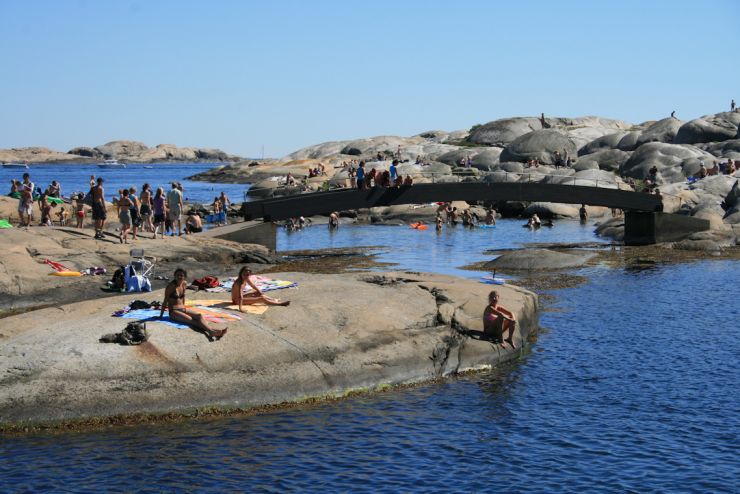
(111, 164)
(148, 167)
(15, 165)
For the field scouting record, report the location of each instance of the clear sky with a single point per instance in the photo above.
(240, 75)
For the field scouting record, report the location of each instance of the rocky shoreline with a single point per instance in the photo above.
(324, 345)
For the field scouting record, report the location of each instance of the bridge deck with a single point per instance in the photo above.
(310, 204)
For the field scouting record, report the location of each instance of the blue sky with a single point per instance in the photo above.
(240, 75)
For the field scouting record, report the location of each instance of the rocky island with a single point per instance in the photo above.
(124, 151)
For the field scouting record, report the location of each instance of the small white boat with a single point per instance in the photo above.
(15, 165)
(111, 164)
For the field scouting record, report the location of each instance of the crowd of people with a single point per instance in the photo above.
(151, 211)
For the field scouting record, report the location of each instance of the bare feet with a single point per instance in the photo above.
(217, 334)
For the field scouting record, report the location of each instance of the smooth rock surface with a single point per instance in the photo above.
(328, 341)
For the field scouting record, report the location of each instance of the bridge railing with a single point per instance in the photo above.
(525, 176)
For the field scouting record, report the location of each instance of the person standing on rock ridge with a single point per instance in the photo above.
(497, 319)
(394, 171)
(673, 114)
(732, 105)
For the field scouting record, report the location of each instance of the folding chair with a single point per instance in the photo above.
(142, 264)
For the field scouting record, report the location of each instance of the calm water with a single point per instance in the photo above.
(632, 388)
(76, 178)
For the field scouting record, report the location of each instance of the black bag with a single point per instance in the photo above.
(88, 199)
(118, 282)
(134, 334)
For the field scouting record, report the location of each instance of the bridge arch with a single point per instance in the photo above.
(309, 204)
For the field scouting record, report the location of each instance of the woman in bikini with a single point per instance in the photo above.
(174, 299)
(497, 319)
(238, 297)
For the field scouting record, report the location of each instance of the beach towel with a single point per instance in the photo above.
(264, 283)
(209, 314)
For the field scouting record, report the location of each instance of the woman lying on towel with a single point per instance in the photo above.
(174, 299)
(253, 297)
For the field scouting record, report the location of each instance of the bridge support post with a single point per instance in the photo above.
(248, 232)
(642, 228)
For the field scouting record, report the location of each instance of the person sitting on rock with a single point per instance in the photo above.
(193, 224)
(702, 170)
(408, 181)
(398, 182)
(255, 296)
(497, 320)
(174, 301)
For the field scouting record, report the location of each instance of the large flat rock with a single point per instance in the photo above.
(340, 332)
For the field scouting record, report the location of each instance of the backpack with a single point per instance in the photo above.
(118, 282)
(134, 334)
(88, 199)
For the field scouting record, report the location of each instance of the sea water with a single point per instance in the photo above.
(631, 387)
(76, 178)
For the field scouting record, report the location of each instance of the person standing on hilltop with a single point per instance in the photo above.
(732, 105)
(673, 114)
(98, 208)
(174, 208)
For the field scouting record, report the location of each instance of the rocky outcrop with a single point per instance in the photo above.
(609, 141)
(541, 145)
(709, 128)
(125, 151)
(36, 155)
(727, 149)
(674, 161)
(538, 259)
(86, 152)
(661, 131)
(503, 132)
(324, 344)
(606, 159)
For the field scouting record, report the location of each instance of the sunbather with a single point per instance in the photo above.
(174, 299)
(238, 297)
(497, 319)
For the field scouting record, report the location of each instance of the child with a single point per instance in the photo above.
(79, 205)
(45, 210)
(62, 215)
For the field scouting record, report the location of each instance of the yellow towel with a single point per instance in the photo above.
(226, 304)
